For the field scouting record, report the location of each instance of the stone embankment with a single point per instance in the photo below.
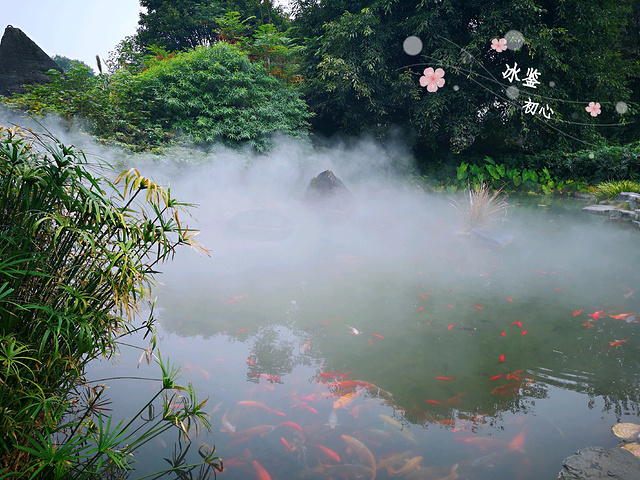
(615, 211)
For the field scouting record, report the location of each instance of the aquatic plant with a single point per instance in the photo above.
(610, 190)
(482, 206)
(77, 256)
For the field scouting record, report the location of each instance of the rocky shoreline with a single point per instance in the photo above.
(616, 210)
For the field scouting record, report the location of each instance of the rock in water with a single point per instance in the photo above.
(261, 225)
(327, 191)
(22, 62)
(597, 463)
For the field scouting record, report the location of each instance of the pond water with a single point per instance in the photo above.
(379, 342)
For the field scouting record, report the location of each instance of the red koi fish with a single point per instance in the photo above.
(376, 335)
(444, 378)
(524, 332)
(518, 323)
(476, 306)
(502, 357)
(287, 447)
(617, 343)
(311, 409)
(509, 300)
(449, 327)
(242, 330)
(420, 309)
(328, 452)
(434, 402)
(622, 316)
(515, 375)
(495, 377)
(596, 315)
(261, 473)
(292, 426)
(329, 374)
(503, 334)
(577, 312)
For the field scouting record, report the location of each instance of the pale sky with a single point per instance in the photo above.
(78, 29)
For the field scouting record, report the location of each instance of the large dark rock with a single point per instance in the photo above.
(22, 62)
(327, 191)
(597, 463)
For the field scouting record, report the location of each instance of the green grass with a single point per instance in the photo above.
(610, 190)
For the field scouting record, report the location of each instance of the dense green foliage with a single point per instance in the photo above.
(214, 93)
(359, 78)
(66, 63)
(77, 255)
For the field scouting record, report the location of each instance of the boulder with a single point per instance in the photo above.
(327, 191)
(22, 62)
(597, 463)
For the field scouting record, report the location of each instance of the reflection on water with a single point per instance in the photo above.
(384, 345)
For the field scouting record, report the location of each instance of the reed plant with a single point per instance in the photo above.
(611, 189)
(481, 207)
(78, 255)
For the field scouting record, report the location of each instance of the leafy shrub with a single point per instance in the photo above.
(216, 94)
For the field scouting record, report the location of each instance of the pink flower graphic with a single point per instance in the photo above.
(499, 45)
(432, 79)
(593, 109)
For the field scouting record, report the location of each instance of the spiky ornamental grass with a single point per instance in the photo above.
(482, 207)
(610, 190)
(77, 255)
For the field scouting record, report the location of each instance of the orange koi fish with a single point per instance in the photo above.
(434, 402)
(328, 452)
(577, 312)
(617, 343)
(515, 375)
(261, 473)
(588, 324)
(524, 332)
(449, 327)
(507, 390)
(495, 377)
(420, 309)
(479, 308)
(291, 426)
(269, 378)
(516, 443)
(622, 316)
(557, 288)
(456, 399)
(518, 323)
(376, 335)
(596, 315)
(503, 334)
(242, 330)
(345, 400)
(235, 299)
(348, 385)
(251, 403)
(444, 378)
(508, 299)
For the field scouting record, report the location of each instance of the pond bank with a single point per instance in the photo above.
(616, 211)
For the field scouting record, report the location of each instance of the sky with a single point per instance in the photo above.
(77, 29)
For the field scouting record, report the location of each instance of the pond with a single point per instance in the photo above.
(380, 343)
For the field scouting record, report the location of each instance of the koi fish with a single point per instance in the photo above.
(456, 399)
(503, 334)
(269, 378)
(348, 385)
(328, 452)
(495, 377)
(524, 332)
(362, 452)
(235, 299)
(517, 442)
(242, 330)
(557, 288)
(305, 346)
(226, 424)
(508, 299)
(354, 330)
(346, 400)
(328, 374)
(622, 316)
(257, 431)
(617, 343)
(333, 419)
(596, 315)
(409, 466)
(291, 426)
(434, 402)
(588, 324)
(518, 323)
(452, 474)
(577, 312)
(449, 327)
(444, 378)
(261, 473)
(507, 390)
(286, 445)
(502, 357)
(251, 362)
(311, 409)
(376, 335)
(479, 308)
(420, 309)
(515, 375)
(450, 306)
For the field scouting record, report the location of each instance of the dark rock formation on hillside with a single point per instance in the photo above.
(22, 62)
